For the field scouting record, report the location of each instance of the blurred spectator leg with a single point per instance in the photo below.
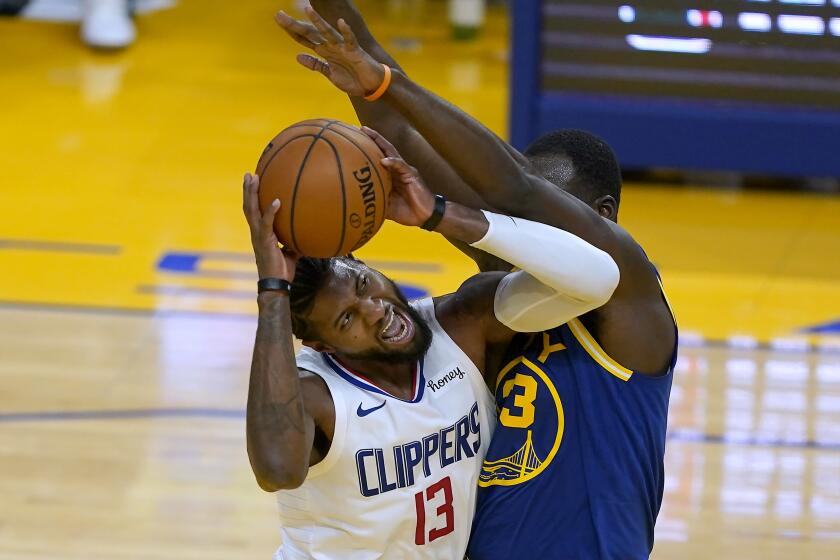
(106, 24)
(466, 18)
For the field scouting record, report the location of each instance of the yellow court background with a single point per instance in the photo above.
(127, 295)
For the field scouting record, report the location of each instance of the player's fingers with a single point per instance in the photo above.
(397, 165)
(250, 200)
(301, 40)
(387, 148)
(301, 31)
(324, 28)
(267, 220)
(347, 33)
(245, 204)
(406, 172)
(314, 63)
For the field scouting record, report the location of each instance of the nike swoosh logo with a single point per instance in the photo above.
(362, 412)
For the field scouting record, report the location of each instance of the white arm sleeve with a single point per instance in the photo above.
(561, 276)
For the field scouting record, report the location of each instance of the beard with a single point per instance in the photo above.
(414, 351)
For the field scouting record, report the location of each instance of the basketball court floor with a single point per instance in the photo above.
(127, 297)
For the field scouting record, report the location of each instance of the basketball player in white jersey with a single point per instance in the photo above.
(374, 434)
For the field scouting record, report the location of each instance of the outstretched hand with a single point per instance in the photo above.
(411, 203)
(342, 61)
(272, 261)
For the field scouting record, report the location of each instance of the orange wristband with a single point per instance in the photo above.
(383, 87)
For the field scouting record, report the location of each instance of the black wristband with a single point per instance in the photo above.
(437, 214)
(273, 285)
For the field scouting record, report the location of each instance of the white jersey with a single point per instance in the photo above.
(400, 477)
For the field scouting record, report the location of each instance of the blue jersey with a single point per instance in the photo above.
(575, 467)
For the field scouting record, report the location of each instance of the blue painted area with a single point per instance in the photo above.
(190, 263)
(832, 327)
(185, 263)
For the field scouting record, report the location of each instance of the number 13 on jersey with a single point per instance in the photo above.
(439, 493)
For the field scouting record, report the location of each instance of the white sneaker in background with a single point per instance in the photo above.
(106, 24)
(72, 10)
(466, 18)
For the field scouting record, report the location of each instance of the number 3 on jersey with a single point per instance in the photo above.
(445, 509)
(523, 417)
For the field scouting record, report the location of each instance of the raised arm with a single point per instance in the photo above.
(380, 115)
(283, 409)
(499, 175)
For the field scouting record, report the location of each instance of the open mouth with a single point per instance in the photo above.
(398, 328)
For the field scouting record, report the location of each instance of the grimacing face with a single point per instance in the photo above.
(361, 314)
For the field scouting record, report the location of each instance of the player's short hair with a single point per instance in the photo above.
(311, 275)
(579, 160)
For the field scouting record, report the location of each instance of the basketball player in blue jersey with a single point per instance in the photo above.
(575, 467)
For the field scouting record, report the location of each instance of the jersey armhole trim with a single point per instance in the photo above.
(596, 352)
(339, 432)
(665, 299)
(588, 342)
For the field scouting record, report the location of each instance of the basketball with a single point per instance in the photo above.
(332, 187)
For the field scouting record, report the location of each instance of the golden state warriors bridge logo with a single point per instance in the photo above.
(531, 421)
